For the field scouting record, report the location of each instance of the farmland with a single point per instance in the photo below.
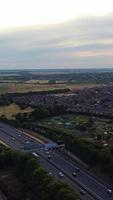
(42, 80)
(36, 87)
(11, 110)
(74, 108)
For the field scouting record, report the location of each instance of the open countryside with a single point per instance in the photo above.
(56, 100)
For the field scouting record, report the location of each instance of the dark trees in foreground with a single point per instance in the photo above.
(35, 182)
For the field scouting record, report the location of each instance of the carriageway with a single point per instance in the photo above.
(47, 146)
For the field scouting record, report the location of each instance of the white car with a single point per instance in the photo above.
(82, 192)
(77, 169)
(74, 174)
(61, 174)
(35, 155)
(49, 156)
(27, 141)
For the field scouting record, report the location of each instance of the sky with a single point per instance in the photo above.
(56, 34)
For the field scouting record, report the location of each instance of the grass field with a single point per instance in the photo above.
(44, 81)
(67, 123)
(82, 126)
(13, 109)
(22, 87)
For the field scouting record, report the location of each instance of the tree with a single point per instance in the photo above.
(52, 82)
(99, 137)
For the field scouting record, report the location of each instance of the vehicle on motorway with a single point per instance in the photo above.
(74, 174)
(109, 191)
(82, 192)
(50, 173)
(13, 138)
(27, 141)
(47, 152)
(35, 155)
(19, 135)
(77, 169)
(49, 156)
(61, 174)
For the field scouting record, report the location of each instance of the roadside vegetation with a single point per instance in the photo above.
(91, 139)
(22, 177)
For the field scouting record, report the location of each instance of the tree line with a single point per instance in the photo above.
(91, 153)
(35, 181)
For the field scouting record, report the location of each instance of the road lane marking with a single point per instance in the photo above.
(82, 172)
(73, 180)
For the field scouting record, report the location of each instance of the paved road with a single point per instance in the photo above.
(86, 180)
(2, 197)
(65, 179)
(17, 140)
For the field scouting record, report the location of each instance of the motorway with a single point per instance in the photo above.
(18, 140)
(55, 171)
(15, 138)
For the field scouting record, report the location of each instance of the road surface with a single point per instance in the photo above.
(18, 140)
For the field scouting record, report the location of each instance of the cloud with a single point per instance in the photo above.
(84, 42)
